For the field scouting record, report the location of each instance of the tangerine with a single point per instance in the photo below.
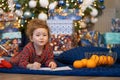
(95, 57)
(84, 61)
(110, 60)
(101, 60)
(78, 64)
(91, 63)
(105, 61)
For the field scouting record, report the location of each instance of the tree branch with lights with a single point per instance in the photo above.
(84, 13)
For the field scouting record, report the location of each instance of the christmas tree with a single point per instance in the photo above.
(85, 10)
(84, 13)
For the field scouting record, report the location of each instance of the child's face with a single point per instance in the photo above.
(40, 36)
(15, 41)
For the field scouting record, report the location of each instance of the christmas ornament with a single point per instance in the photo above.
(18, 6)
(32, 3)
(61, 2)
(19, 13)
(42, 16)
(94, 12)
(27, 14)
(80, 1)
(44, 3)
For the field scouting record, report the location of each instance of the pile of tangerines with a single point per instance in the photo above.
(94, 61)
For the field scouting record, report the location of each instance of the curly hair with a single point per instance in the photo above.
(35, 24)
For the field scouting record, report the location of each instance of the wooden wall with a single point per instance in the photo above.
(112, 10)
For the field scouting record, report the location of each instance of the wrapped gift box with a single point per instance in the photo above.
(10, 39)
(61, 34)
(112, 38)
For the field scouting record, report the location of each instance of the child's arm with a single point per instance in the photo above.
(50, 58)
(25, 57)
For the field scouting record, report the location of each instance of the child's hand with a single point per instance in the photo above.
(29, 66)
(34, 66)
(52, 65)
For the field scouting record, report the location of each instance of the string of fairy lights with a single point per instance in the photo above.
(84, 13)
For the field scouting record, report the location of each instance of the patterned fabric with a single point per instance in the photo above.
(28, 55)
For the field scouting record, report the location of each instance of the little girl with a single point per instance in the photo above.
(38, 51)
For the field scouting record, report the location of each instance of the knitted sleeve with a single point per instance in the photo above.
(49, 55)
(26, 56)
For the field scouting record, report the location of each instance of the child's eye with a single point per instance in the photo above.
(37, 35)
(44, 35)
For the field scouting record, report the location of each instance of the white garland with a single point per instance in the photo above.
(53, 5)
(86, 3)
(11, 5)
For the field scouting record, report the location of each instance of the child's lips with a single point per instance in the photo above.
(41, 41)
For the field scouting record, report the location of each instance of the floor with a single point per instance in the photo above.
(5, 76)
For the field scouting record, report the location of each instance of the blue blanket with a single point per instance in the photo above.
(66, 58)
(113, 71)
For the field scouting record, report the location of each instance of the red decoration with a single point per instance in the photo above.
(5, 64)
